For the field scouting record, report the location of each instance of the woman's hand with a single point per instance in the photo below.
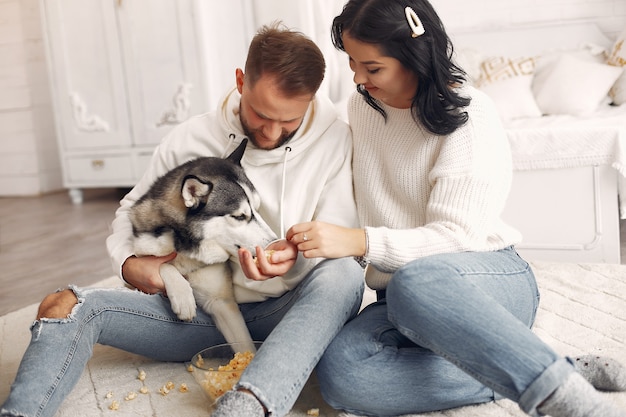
(317, 239)
(276, 259)
(143, 272)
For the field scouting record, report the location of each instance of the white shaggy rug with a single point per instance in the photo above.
(583, 310)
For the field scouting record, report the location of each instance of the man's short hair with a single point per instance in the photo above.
(290, 56)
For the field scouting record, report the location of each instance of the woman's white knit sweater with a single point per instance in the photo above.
(419, 194)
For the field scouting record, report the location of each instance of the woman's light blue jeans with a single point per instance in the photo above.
(453, 330)
(299, 326)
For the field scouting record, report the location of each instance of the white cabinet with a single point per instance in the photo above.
(123, 73)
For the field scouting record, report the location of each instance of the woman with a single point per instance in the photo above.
(432, 170)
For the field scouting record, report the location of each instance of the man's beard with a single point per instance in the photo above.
(285, 137)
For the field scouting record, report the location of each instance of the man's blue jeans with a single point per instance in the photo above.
(296, 329)
(453, 330)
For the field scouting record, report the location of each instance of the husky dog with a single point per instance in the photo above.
(205, 210)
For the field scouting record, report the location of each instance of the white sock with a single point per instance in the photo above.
(603, 373)
(577, 398)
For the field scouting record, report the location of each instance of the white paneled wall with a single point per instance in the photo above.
(29, 161)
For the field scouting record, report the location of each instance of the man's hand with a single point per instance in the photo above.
(282, 256)
(143, 273)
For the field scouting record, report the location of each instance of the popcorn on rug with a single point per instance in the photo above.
(164, 390)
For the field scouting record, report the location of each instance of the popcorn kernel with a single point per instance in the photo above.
(130, 396)
(268, 256)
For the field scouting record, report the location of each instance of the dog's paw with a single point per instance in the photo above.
(185, 309)
(179, 292)
(182, 301)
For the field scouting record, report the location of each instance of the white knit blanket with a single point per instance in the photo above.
(583, 310)
(564, 141)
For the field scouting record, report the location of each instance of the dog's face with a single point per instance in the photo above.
(205, 209)
(226, 217)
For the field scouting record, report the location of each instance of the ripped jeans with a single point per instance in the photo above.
(300, 324)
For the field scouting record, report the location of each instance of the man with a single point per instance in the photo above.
(300, 162)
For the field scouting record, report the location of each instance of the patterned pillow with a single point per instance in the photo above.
(508, 82)
(501, 68)
(617, 58)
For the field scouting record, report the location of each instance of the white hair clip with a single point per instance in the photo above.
(414, 22)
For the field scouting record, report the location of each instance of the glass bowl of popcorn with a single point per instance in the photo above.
(218, 368)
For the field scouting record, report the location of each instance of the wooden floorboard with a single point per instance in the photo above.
(47, 242)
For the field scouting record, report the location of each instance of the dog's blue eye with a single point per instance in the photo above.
(240, 218)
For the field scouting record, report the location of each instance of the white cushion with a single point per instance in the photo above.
(513, 97)
(574, 86)
(546, 61)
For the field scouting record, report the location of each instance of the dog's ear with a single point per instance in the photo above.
(237, 154)
(195, 192)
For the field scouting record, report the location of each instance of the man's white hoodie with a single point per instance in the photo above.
(314, 168)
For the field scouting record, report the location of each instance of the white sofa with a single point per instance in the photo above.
(569, 165)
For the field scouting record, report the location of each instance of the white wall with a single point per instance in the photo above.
(609, 15)
(29, 161)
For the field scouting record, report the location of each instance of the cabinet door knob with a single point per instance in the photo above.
(97, 164)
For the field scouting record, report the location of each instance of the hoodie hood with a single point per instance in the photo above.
(317, 119)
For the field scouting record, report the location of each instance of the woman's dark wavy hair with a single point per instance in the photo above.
(435, 104)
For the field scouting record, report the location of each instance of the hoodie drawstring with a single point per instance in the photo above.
(282, 193)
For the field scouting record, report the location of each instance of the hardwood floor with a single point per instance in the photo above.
(47, 242)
